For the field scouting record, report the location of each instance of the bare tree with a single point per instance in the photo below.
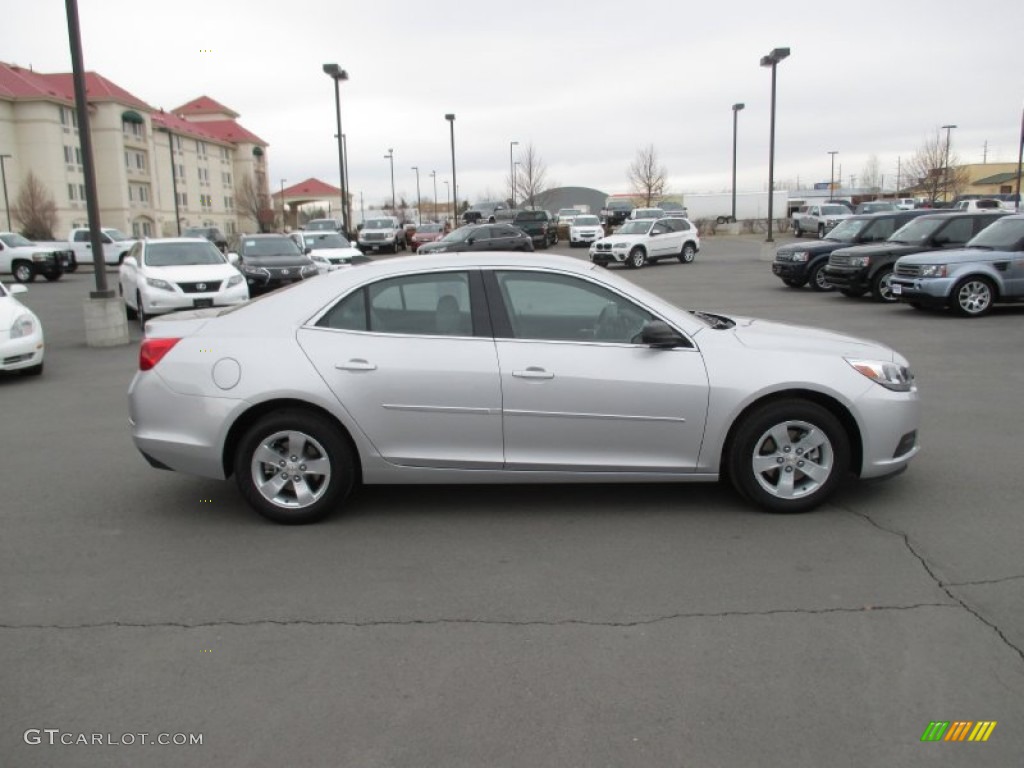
(531, 181)
(871, 174)
(253, 203)
(935, 171)
(35, 209)
(647, 175)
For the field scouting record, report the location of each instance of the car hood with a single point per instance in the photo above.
(191, 273)
(767, 335)
(280, 260)
(336, 253)
(881, 249)
(815, 247)
(613, 239)
(961, 256)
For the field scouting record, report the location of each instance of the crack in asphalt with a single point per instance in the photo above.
(487, 622)
(944, 586)
(983, 581)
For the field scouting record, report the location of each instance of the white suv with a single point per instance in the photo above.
(645, 241)
(382, 233)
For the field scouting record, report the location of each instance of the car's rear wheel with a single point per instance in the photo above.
(973, 297)
(881, 286)
(797, 232)
(637, 258)
(789, 456)
(821, 231)
(688, 254)
(294, 467)
(817, 279)
(22, 272)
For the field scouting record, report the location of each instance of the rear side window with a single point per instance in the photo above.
(958, 231)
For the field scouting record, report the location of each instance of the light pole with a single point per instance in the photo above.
(174, 176)
(1020, 157)
(772, 60)
(390, 156)
(419, 204)
(735, 115)
(945, 176)
(448, 192)
(512, 170)
(832, 176)
(339, 75)
(515, 171)
(433, 175)
(7, 200)
(450, 117)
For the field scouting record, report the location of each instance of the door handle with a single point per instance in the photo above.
(533, 372)
(356, 364)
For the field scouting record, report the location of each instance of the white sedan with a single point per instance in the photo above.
(328, 250)
(585, 229)
(21, 334)
(165, 275)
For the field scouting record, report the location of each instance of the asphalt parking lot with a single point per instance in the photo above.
(529, 626)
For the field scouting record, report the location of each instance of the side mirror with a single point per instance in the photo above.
(470, 240)
(307, 250)
(14, 290)
(129, 261)
(233, 257)
(658, 334)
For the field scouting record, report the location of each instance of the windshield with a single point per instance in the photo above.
(116, 235)
(181, 254)
(325, 241)
(917, 230)
(669, 206)
(634, 228)
(458, 235)
(587, 221)
(834, 210)
(847, 231)
(317, 225)
(379, 224)
(531, 216)
(1003, 235)
(14, 240)
(270, 246)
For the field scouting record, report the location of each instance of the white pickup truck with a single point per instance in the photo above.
(819, 218)
(24, 260)
(116, 245)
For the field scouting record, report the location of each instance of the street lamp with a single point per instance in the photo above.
(945, 181)
(174, 175)
(433, 175)
(735, 114)
(448, 192)
(832, 176)
(450, 117)
(7, 200)
(512, 170)
(772, 60)
(391, 157)
(339, 75)
(419, 204)
(1020, 157)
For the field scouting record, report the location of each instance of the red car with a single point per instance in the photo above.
(427, 233)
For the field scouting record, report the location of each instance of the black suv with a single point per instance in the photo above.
(615, 212)
(798, 264)
(855, 271)
(539, 225)
(270, 261)
(213, 234)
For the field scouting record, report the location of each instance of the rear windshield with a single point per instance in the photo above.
(531, 216)
(379, 224)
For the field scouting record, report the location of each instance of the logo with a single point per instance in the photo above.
(284, 272)
(958, 730)
(201, 286)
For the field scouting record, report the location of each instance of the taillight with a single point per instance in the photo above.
(152, 351)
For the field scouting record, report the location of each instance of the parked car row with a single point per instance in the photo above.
(962, 261)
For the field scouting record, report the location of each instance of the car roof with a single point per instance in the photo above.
(162, 240)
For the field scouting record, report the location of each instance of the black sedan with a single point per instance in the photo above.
(480, 237)
(270, 261)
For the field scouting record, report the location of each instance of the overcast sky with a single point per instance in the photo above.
(586, 83)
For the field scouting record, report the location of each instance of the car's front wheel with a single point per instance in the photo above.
(789, 456)
(637, 258)
(294, 467)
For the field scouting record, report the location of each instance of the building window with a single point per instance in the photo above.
(179, 172)
(78, 155)
(81, 191)
(68, 118)
(225, 153)
(69, 155)
(229, 203)
(134, 130)
(231, 227)
(71, 192)
(183, 199)
(225, 178)
(201, 148)
(204, 177)
(176, 142)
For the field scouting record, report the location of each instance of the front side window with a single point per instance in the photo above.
(553, 307)
(427, 305)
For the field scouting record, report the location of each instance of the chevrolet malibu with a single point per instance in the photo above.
(502, 368)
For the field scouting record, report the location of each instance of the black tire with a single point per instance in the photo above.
(775, 476)
(794, 283)
(816, 278)
(881, 286)
(22, 272)
(797, 232)
(140, 313)
(821, 231)
(321, 442)
(637, 258)
(688, 254)
(852, 293)
(52, 276)
(973, 297)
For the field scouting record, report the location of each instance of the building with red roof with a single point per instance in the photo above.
(146, 159)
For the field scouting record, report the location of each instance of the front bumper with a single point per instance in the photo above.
(790, 270)
(378, 245)
(584, 237)
(158, 302)
(608, 257)
(927, 291)
(848, 278)
(18, 354)
(889, 424)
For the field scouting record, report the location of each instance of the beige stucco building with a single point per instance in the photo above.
(135, 148)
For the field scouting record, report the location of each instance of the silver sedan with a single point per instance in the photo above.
(509, 368)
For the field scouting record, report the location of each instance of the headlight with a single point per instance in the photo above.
(860, 261)
(23, 326)
(156, 282)
(890, 375)
(234, 280)
(321, 259)
(251, 270)
(934, 270)
(307, 268)
(799, 256)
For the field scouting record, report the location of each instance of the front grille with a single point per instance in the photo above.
(907, 270)
(200, 287)
(603, 246)
(374, 236)
(287, 272)
(839, 260)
